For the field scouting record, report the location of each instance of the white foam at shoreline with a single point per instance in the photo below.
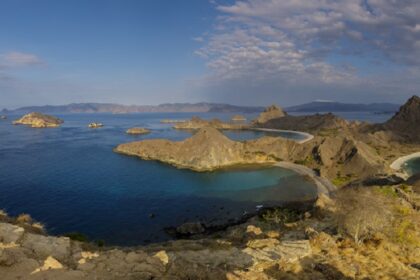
(307, 136)
(399, 162)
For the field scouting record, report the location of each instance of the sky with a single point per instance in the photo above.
(245, 52)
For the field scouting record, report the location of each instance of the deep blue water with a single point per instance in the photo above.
(70, 179)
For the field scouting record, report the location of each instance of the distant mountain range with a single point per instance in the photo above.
(330, 106)
(203, 107)
(122, 109)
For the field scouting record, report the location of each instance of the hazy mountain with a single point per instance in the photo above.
(330, 106)
(120, 109)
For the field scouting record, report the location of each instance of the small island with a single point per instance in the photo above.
(171, 121)
(95, 125)
(238, 118)
(137, 130)
(38, 120)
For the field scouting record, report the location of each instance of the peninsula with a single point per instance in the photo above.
(340, 150)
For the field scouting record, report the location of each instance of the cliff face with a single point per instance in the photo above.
(39, 120)
(405, 122)
(271, 112)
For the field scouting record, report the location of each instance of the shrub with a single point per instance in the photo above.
(77, 236)
(24, 218)
(361, 213)
(100, 243)
(279, 215)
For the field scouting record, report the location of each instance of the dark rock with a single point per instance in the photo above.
(415, 265)
(383, 181)
(190, 229)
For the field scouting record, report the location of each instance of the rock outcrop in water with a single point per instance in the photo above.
(271, 112)
(38, 120)
(238, 118)
(95, 125)
(138, 130)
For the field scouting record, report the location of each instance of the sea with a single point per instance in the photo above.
(70, 180)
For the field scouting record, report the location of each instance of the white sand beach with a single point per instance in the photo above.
(307, 136)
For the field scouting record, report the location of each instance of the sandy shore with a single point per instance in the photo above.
(307, 136)
(323, 185)
(398, 164)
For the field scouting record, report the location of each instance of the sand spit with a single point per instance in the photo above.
(307, 136)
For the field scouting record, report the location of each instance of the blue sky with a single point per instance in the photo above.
(242, 52)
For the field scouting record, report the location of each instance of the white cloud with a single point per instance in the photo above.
(15, 58)
(303, 43)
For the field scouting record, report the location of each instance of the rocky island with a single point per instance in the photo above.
(38, 120)
(137, 130)
(238, 118)
(95, 125)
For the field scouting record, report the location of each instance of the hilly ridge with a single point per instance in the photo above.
(202, 107)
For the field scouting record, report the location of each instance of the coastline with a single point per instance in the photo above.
(324, 186)
(307, 136)
(397, 164)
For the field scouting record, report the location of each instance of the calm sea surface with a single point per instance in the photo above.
(413, 166)
(70, 179)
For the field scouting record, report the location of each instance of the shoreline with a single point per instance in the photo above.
(307, 136)
(398, 164)
(324, 186)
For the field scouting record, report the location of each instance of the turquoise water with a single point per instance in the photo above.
(70, 179)
(413, 166)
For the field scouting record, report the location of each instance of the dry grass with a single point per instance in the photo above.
(24, 219)
(361, 214)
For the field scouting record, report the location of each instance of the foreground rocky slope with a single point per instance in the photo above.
(277, 244)
(38, 120)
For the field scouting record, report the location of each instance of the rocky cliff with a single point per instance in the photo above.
(39, 120)
(406, 122)
(271, 112)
